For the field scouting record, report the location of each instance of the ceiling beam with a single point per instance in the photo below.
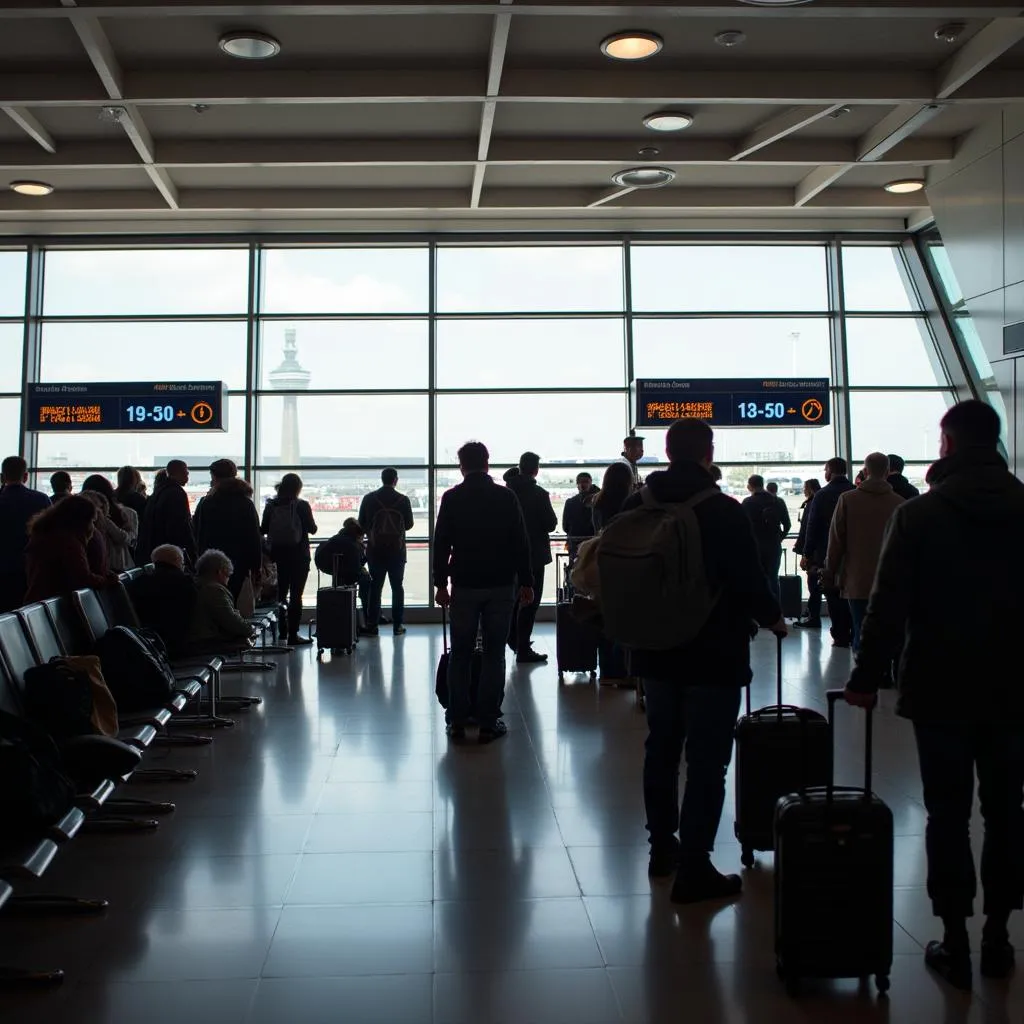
(977, 54)
(100, 53)
(780, 126)
(495, 67)
(30, 125)
(611, 197)
(922, 9)
(897, 126)
(817, 181)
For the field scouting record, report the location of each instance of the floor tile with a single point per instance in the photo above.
(369, 833)
(380, 797)
(330, 878)
(512, 873)
(399, 999)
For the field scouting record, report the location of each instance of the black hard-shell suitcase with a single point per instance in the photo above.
(576, 641)
(833, 881)
(791, 592)
(336, 628)
(779, 749)
(441, 678)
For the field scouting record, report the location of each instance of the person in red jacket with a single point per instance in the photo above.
(56, 559)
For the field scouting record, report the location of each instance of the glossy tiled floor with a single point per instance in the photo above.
(335, 861)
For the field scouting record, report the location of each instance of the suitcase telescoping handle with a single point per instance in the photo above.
(833, 696)
(778, 678)
(444, 628)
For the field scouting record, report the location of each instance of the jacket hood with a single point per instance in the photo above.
(236, 485)
(682, 479)
(978, 482)
(870, 486)
(522, 483)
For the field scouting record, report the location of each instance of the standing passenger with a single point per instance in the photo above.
(813, 620)
(386, 516)
(18, 504)
(632, 453)
(769, 519)
(287, 523)
(167, 518)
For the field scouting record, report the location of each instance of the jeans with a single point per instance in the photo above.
(521, 627)
(292, 573)
(949, 754)
(393, 570)
(489, 610)
(813, 597)
(770, 564)
(702, 719)
(858, 609)
(839, 613)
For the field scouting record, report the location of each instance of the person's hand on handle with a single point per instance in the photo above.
(858, 699)
(781, 629)
(804, 564)
(442, 597)
(526, 595)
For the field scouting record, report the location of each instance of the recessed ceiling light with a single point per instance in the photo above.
(731, 37)
(839, 112)
(649, 152)
(775, 3)
(950, 32)
(905, 186)
(668, 121)
(249, 45)
(631, 45)
(644, 177)
(31, 188)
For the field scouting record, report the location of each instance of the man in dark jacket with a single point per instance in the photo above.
(770, 522)
(948, 587)
(386, 516)
(226, 519)
(540, 521)
(165, 599)
(480, 543)
(819, 521)
(346, 552)
(693, 691)
(18, 504)
(578, 516)
(168, 519)
(898, 482)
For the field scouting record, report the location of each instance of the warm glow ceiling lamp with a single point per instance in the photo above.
(632, 45)
(644, 177)
(249, 45)
(668, 121)
(31, 188)
(905, 186)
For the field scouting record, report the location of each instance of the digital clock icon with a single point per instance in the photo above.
(202, 413)
(812, 410)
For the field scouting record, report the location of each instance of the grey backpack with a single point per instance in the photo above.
(654, 589)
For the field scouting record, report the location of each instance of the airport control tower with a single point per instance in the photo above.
(290, 376)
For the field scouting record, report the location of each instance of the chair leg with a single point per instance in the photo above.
(124, 805)
(163, 775)
(48, 903)
(116, 824)
(182, 739)
(20, 977)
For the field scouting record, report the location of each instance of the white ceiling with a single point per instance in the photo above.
(487, 115)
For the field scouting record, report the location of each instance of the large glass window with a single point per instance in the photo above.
(886, 353)
(904, 422)
(874, 278)
(11, 341)
(12, 282)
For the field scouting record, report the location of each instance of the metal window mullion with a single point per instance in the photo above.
(251, 358)
(31, 350)
(840, 362)
(431, 412)
(627, 281)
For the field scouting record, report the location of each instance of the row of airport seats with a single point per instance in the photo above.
(72, 625)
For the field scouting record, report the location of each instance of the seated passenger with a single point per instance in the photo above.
(55, 559)
(165, 599)
(216, 622)
(347, 550)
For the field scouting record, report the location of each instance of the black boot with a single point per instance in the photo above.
(698, 880)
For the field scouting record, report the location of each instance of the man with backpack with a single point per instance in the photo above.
(681, 583)
(770, 520)
(386, 516)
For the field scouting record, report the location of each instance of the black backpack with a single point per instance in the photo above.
(136, 668)
(59, 700)
(387, 531)
(35, 791)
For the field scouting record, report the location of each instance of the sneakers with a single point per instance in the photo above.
(493, 732)
(997, 959)
(299, 641)
(530, 657)
(399, 631)
(841, 643)
(954, 967)
(808, 624)
(456, 732)
(701, 881)
(664, 859)
(369, 631)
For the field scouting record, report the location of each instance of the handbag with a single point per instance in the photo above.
(584, 576)
(135, 667)
(59, 700)
(246, 603)
(36, 792)
(104, 707)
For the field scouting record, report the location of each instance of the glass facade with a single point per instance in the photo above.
(344, 359)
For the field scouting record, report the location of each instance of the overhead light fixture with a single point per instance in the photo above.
(668, 121)
(632, 45)
(730, 38)
(839, 112)
(31, 188)
(905, 186)
(112, 115)
(951, 31)
(644, 177)
(775, 3)
(249, 45)
(649, 152)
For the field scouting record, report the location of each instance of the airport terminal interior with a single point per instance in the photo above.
(355, 236)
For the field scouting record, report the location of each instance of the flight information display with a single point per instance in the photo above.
(152, 405)
(733, 402)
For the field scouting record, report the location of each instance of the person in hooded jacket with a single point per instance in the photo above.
(899, 483)
(226, 520)
(948, 589)
(540, 521)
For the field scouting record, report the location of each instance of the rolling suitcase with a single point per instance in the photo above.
(576, 641)
(779, 749)
(791, 592)
(833, 880)
(441, 678)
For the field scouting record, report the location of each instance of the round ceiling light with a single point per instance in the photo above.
(31, 188)
(775, 3)
(730, 38)
(905, 186)
(644, 177)
(631, 45)
(249, 45)
(668, 121)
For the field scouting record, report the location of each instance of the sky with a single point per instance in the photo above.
(504, 352)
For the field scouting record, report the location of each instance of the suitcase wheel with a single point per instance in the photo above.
(747, 857)
(593, 677)
(882, 983)
(561, 677)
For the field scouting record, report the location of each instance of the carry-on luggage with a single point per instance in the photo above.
(791, 591)
(779, 749)
(576, 640)
(337, 615)
(441, 679)
(833, 880)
